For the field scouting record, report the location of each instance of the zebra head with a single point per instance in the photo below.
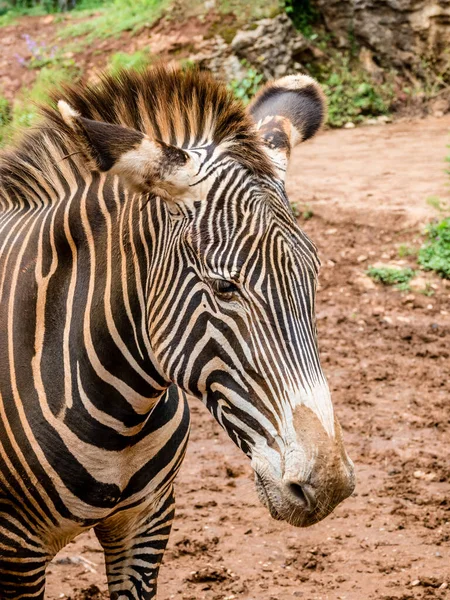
(231, 287)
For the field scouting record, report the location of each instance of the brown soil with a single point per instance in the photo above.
(168, 39)
(387, 357)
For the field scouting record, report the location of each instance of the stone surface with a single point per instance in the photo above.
(402, 33)
(274, 47)
(216, 56)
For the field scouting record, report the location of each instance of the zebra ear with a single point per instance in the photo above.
(146, 165)
(286, 112)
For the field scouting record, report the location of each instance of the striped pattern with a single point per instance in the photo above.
(107, 297)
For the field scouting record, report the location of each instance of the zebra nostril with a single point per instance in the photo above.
(303, 493)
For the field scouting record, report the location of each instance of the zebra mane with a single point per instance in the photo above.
(187, 108)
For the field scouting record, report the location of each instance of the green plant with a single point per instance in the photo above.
(42, 55)
(115, 17)
(5, 117)
(10, 10)
(5, 111)
(304, 15)
(246, 88)
(121, 60)
(295, 209)
(392, 276)
(427, 290)
(434, 255)
(404, 251)
(353, 96)
(436, 202)
(307, 213)
(25, 109)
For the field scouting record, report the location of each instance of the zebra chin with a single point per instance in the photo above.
(299, 506)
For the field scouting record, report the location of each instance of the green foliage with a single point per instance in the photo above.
(392, 276)
(353, 96)
(10, 10)
(404, 251)
(42, 55)
(246, 88)
(115, 17)
(295, 209)
(5, 111)
(435, 253)
(307, 213)
(438, 203)
(25, 109)
(136, 61)
(5, 117)
(304, 15)
(427, 290)
(245, 10)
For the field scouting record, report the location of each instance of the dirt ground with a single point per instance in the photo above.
(387, 356)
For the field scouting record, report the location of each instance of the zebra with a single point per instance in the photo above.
(148, 251)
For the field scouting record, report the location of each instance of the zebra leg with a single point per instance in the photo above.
(22, 577)
(134, 544)
(23, 558)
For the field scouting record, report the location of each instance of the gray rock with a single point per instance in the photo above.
(217, 57)
(400, 33)
(273, 47)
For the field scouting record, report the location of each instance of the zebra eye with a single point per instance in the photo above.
(224, 288)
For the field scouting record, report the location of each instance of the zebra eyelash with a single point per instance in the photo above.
(224, 289)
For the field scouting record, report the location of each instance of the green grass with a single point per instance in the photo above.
(24, 111)
(121, 60)
(9, 12)
(436, 203)
(392, 276)
(435, 253)
(246, 88)
(353, 96)
(5, 117)
(304, 15)
(115, 17)
(404, 251)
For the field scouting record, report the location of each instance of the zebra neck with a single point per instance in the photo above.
(106, 232)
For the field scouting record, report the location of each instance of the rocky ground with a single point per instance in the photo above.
(387, 356)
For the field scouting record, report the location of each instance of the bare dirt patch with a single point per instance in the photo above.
(387, 357)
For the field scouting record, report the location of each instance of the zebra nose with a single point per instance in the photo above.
(304, 494)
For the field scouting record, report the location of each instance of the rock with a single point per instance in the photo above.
(439, 107)
(366, 60)
(216, 56)
(383, 119)
(424, 476)
(349, 125)
(419, 283)
(365, 283)
(398, 33)
(275, 48)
